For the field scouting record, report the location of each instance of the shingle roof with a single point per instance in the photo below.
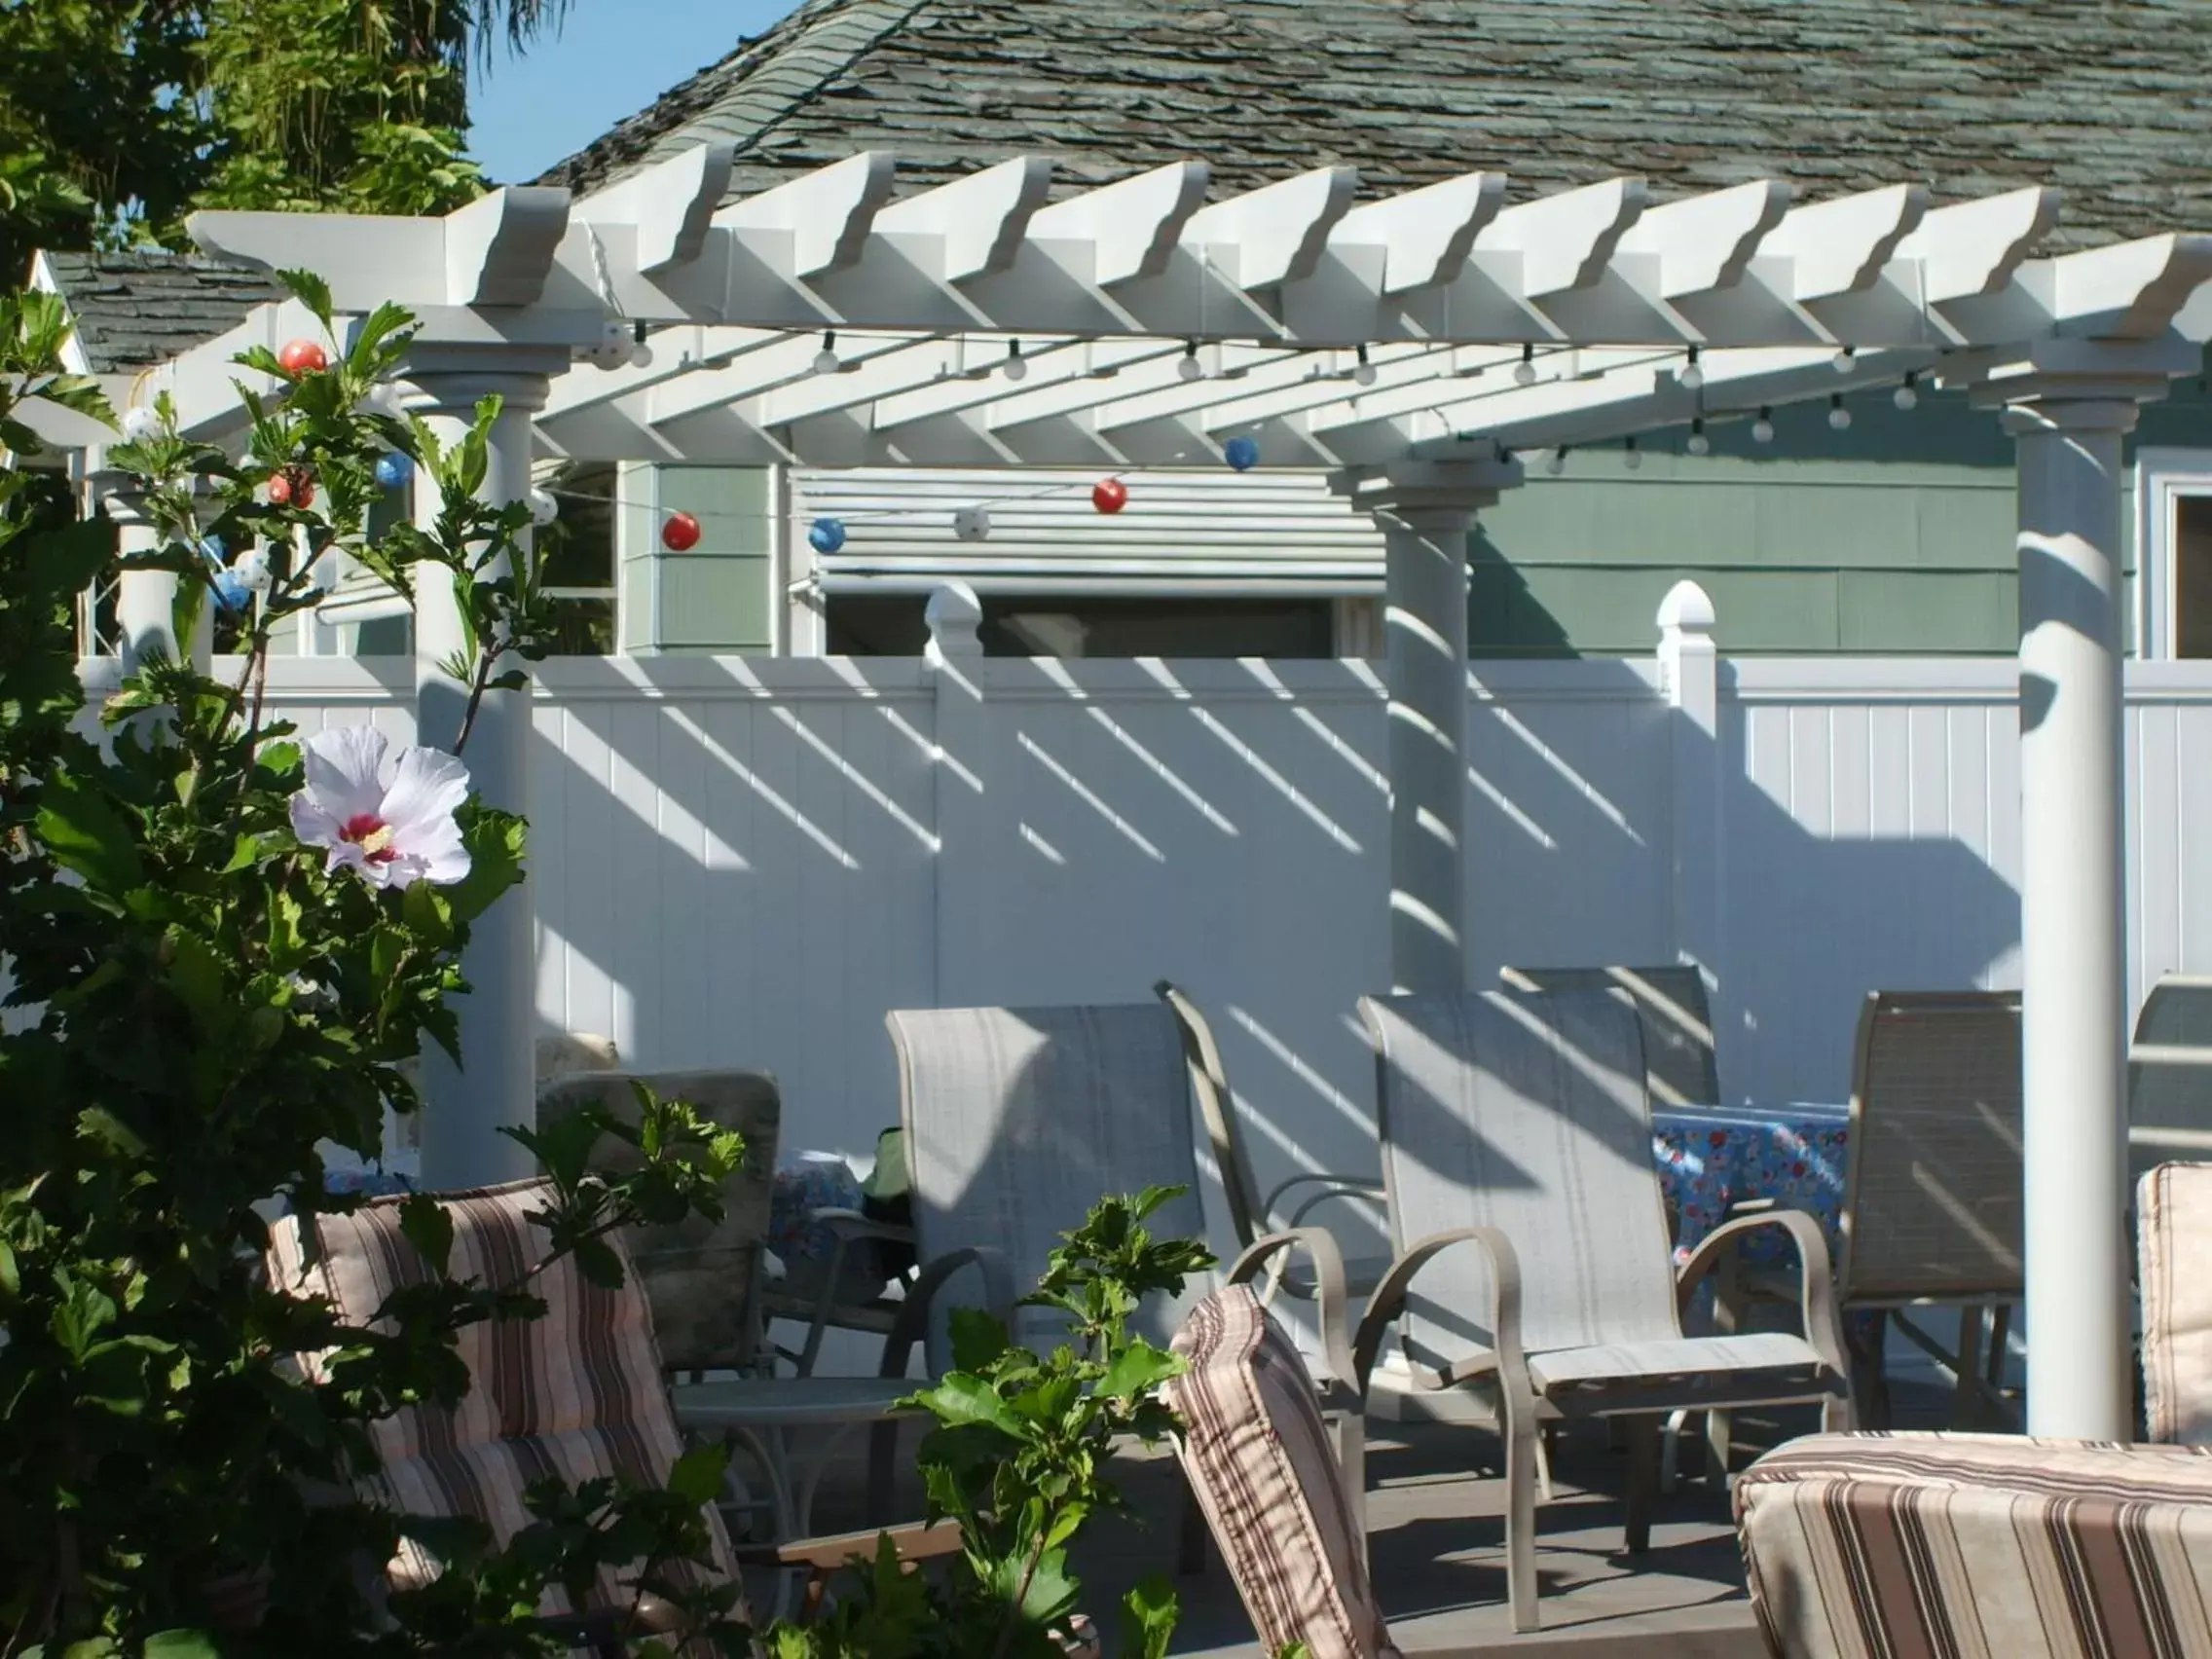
(141, 308)
(2105, 99)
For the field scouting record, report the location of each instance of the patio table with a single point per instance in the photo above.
(1713, 1156)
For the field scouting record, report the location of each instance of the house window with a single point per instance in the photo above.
(2174, 553)
(579, 565)
(1067, 626)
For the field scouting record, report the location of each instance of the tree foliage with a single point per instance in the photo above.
(119, 116)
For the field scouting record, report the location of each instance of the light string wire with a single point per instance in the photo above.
(863, 515)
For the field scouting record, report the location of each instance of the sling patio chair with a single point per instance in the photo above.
(1932, 1202)
(1019, 1120)
(1682, 1062)
(1534, 1278)
(577, 1393)
(1253, 1216)
(2170, 1077)
(2173, 1218)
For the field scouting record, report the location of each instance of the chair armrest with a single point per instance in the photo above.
(1368, 1187)
(1329, 1291)
(850, 1226)
(1816, 1286)
(827, 1554)
(913, 1322)
(1390, 1298)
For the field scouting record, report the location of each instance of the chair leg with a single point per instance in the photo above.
(1547, 1442)
(882, 1458)
(1642, 1480)
(1719, 1444)
(1869, 1388)
(1352, 1458)
(2000, 1339)
(1521, 1513)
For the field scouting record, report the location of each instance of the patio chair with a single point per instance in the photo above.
(1017, 1120)
(1534, 1277)
(1251, 1215)
(1878, 1546)
(2170, 1077)
(1932, 1202)
(1681, 1064)
(2173, 1212)
(578, 1391)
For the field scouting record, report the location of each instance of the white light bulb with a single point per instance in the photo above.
(1188, 369)
(252, 569)
(826, 362)
(1691, 378)
(140, 424)
(1762, 429)
(642, 355)
(1699, 444)
(1523, 373)
(543, 508)
(1556, 464)
(971, 524)
(1844, 360)
(1633, 458)
(1363, 374)
(1015, 368)
(1840, 418)
(1906, 397)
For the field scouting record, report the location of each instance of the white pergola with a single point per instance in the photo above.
(1411, 344)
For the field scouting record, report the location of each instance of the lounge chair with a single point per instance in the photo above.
(1682, 1061)
(1017, 1120)
(1534, 1277)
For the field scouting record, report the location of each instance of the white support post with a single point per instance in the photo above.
(962, 921)
(1426, 511)
(145, 600)
(1689, 675)
(2069, 410)
(464, 1108)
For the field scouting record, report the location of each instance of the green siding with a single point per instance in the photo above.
(1893, 536)
(714, 597)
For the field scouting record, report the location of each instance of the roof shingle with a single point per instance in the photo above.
(141, 308)
(2104, 99)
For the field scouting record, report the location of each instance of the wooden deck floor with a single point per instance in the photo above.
(1437, 1547)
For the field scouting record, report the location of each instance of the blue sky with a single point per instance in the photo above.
(612, 58)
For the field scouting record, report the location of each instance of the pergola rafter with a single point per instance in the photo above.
(1409, 344)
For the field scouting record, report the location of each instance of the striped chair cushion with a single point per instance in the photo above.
(2173, 1218)
(1865, 1546)
(575, 1394)
(1261, 1462)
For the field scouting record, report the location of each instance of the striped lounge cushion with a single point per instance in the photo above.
(2173, 1218)
(1869, 1546)
(575, 1394)
(1260, 1459)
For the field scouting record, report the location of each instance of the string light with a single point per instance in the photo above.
(1524, 371)
(826, 361)
(1013, 368)
(1109, 495)
(1908, 395)
(1699, 443)
(826, 536)
(1188, 368)
(543, 508)
(971, 524)
(1838, 416)
(641, 354)
(680, 532)
(1556, 464)
(393, 471)
(1631, 458)
(1363, 371)
(140, 424)
(1846, 360)
(1692, 377)
(1241, 451)
(1762, 429)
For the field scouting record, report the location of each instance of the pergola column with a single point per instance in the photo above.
(1426, 511)
(2069, 407)
(145, 599)
(465, 1107)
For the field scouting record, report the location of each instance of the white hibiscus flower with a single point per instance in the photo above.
(390, 821)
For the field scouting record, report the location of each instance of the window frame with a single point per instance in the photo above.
(2163, 477)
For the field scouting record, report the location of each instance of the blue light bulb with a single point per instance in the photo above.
(393, 471)
(1243, 453)
(827, 534)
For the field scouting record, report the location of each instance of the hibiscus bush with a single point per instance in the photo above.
(219, 948)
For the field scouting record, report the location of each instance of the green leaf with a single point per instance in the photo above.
(98, 1125)
(1137, 1370)
(963, 1399)
(87, 837)
(978, 1339)
(182, 1644)
(1148, 1619)
(696, 1476)
(10, 1278)
(597, 1261)
(430, 1228)
(426, 911)
(193, 974)
(312, 291)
